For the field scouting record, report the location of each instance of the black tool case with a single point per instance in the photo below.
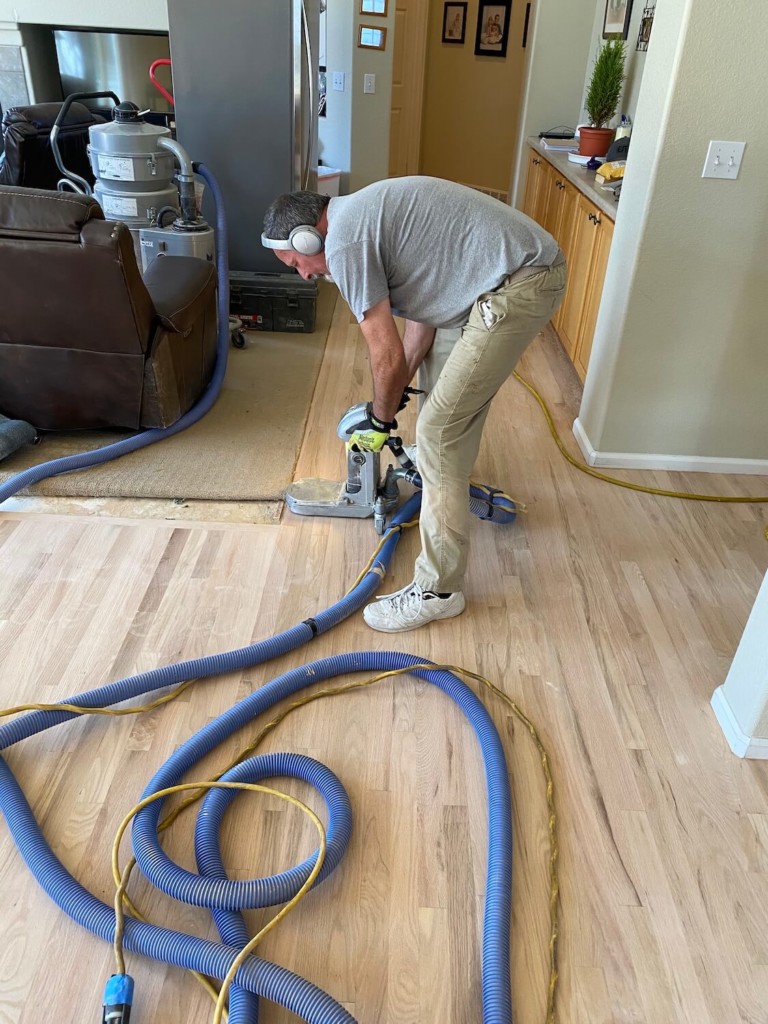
(273, 302)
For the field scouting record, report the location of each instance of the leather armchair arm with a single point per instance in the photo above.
(180, 287)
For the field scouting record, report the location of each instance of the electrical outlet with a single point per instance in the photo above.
(338, 81)
(723, 159)
(369, 83)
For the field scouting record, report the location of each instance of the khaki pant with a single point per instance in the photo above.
(464, 370)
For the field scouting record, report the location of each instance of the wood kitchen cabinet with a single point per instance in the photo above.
(584, 234)
(603, 228)
(538, 187)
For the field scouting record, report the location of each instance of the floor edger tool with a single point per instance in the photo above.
(364, 493)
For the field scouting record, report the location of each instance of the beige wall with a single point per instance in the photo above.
(334, 130)
(370, 113)
(471, 104)
(680, 360)
(558, 45)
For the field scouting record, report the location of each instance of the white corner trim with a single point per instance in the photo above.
(675, 463)
(741, 744)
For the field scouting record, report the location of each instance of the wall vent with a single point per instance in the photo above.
(496, 193)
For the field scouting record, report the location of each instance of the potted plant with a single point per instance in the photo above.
(603, 97)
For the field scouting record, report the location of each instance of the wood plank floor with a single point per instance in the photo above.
(609, 616)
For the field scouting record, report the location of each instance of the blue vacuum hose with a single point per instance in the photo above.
(211, 887)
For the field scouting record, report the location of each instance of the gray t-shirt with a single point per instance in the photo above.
(432, 246)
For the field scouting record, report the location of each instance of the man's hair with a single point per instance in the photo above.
(292, 209)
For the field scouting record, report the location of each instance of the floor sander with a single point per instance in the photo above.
(364, 493)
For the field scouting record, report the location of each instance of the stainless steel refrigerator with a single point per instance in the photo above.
(245, 82)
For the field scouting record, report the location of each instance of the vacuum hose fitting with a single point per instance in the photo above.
(186, 179)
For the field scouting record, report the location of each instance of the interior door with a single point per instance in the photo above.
(408, 64)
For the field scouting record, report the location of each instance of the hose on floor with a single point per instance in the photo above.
(211, 888)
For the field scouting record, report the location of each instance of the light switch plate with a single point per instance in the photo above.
(369, 83)
(723, 159)
(338, 81)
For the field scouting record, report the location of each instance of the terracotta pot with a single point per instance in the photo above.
(595, 141)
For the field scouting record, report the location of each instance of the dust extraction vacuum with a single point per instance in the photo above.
(135, 164)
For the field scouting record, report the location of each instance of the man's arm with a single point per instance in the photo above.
(417, 341)
(389, 366)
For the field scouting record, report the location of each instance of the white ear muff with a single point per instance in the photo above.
(306, 240)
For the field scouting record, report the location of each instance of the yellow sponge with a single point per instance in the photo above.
(611, 171)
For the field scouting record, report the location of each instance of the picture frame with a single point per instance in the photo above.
(372, 37)
(377, 8)
(492, 34)
(616, 19)
(454, 22)
(322, 91)
(646, 24)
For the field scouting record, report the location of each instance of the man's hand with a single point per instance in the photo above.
(370, 434)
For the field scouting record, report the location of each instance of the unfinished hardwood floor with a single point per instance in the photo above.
(609, 616)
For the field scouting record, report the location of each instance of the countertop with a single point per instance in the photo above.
(579, 176)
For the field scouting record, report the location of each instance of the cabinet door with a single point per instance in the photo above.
(546, 198)
(533, 183)
(581, 250)
(550, 212)
(566, 224)
(554, 212)
(564, 231)
(604, 234)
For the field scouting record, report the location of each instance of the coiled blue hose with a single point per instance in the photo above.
(258, 976)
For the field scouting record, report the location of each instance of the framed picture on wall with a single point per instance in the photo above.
(377, 7)
(493, 28)
(454, 22)
(617, 15)
(322, 91)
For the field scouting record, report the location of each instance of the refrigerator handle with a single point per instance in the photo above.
(311, 78)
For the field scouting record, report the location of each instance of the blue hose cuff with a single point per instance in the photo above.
(118, 999)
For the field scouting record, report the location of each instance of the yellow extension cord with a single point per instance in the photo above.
(121, 880)
(198, 788)
(624, 483)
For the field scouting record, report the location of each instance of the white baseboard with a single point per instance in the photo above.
(675, 463)
(741, 744)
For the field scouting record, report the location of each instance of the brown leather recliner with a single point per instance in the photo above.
(84, 340)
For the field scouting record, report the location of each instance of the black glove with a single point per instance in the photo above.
(407, 397)
(370, 434)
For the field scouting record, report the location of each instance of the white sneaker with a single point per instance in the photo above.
(410, 608)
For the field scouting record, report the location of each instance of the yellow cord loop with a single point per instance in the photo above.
(121, 879)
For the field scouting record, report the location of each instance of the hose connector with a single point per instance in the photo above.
(118, 999)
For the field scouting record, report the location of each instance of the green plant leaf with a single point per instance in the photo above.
(606, 83)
